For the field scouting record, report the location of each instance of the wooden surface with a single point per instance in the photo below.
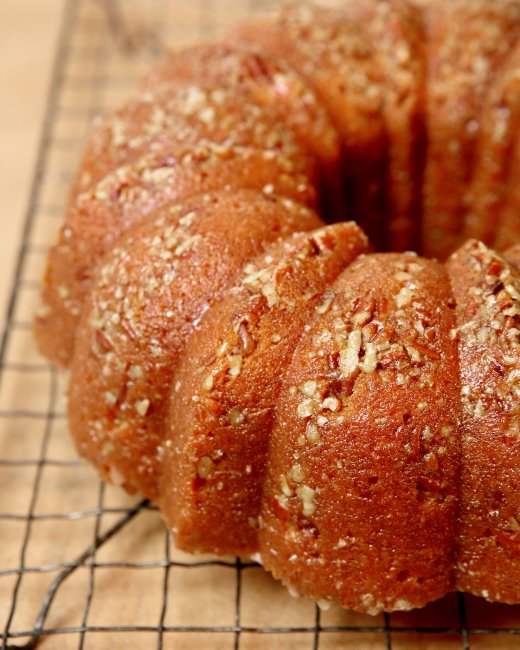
(28, 34)
(52, 504)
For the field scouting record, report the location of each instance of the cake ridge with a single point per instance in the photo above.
(277, 386)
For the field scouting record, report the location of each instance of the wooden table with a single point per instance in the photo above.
(28, 35)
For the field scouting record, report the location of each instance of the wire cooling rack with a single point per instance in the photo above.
(83, 565)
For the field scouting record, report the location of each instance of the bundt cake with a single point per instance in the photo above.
(239, 354)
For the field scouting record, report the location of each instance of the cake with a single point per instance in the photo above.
(286, 384)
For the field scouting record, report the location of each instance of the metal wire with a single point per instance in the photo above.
(100, 33)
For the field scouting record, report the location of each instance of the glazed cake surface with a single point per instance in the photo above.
(250, 342)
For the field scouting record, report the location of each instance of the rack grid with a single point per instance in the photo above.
(83, 565)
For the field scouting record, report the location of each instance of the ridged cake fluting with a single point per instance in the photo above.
(241, 355)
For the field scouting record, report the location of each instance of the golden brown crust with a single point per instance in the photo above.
(266, 80)
(271, 387)
(336, 58)
(366, 63)
(395, 30)
(222, 409)
(123, 198)
(492, 189)
(487, 290)
(467, 43)
(148, 295)
(361, 492)
(508, 227)
(183, 115)
(512, 255)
